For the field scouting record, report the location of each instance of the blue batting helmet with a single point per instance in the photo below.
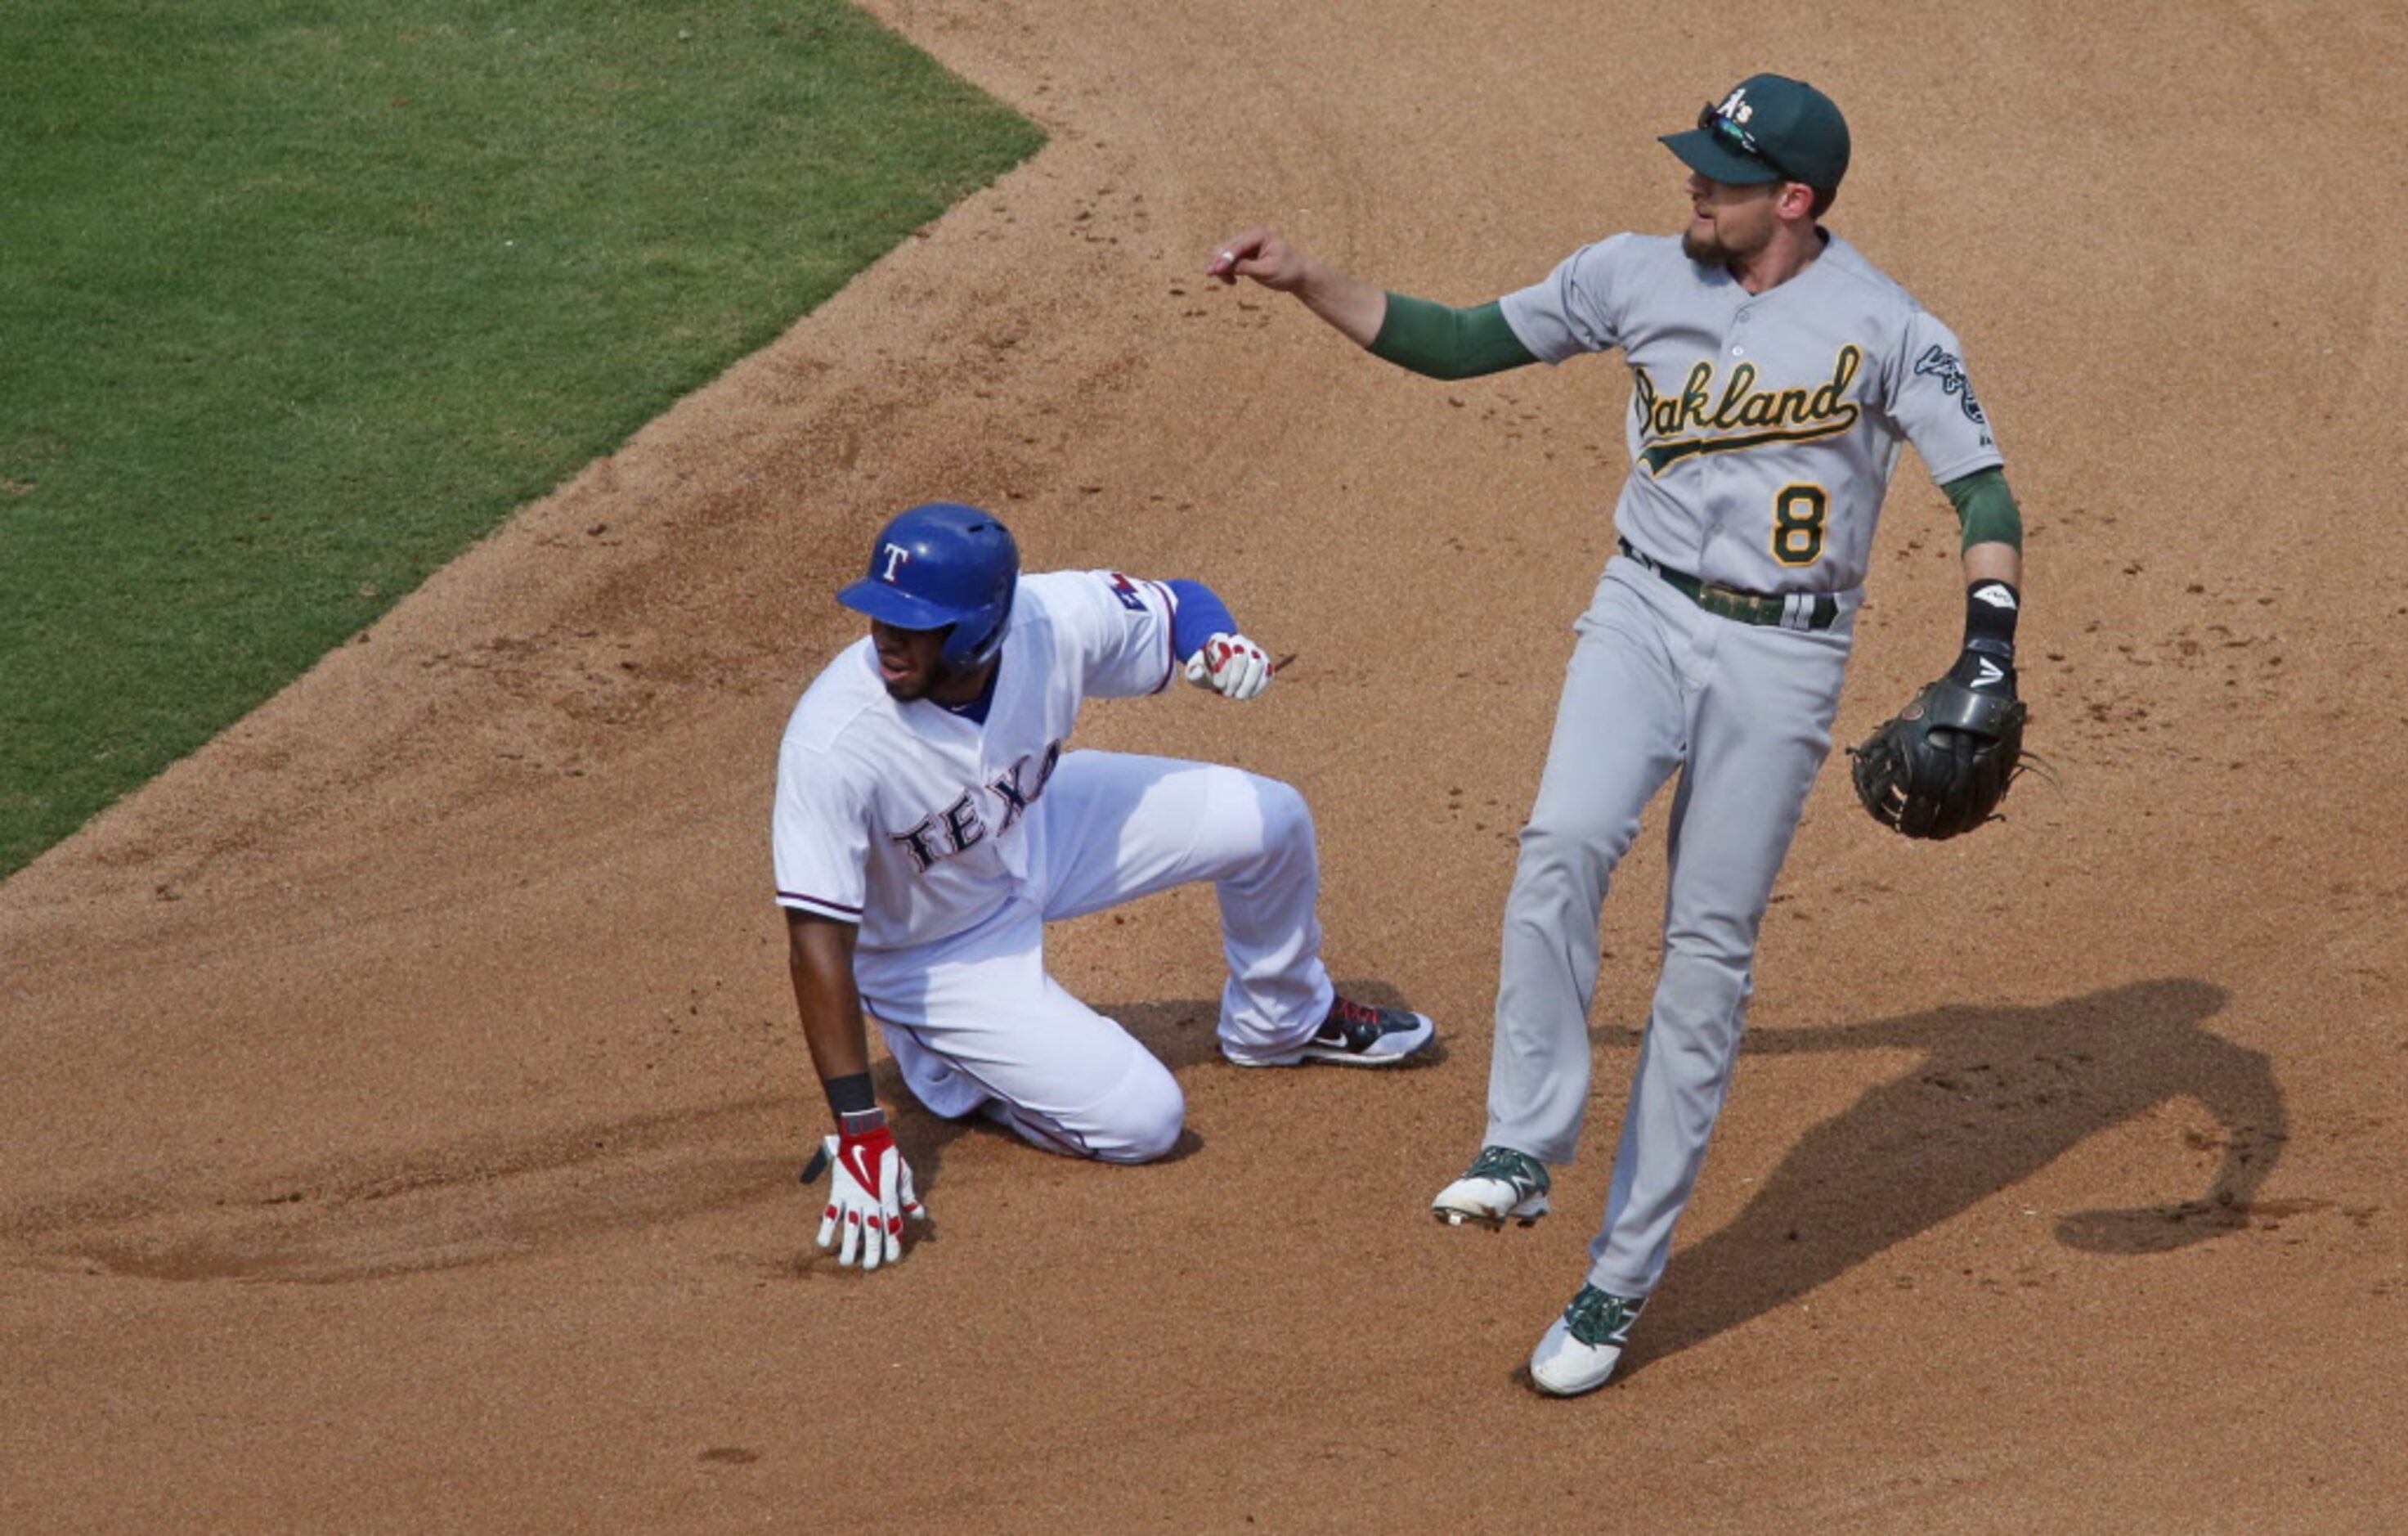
(943, 564)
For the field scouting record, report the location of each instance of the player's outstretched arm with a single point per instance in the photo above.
(869, 1184)
(1354, 307)
(1430, 339)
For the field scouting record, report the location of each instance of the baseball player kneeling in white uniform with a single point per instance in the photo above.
(928, 824)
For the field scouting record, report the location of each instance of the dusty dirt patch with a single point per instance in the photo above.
(400, 1091)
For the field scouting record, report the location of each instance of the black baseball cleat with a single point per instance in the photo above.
(1354, 1034)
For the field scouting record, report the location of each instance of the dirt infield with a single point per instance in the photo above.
(402, 1094)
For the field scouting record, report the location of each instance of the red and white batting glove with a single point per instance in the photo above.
(869, 1191)
(1232, 665)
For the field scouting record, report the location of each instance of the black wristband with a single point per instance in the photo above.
(861, 1123)
(1990, 610)
(849, 1095)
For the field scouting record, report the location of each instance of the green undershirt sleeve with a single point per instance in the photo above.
(1987, 508)
(1443, 343)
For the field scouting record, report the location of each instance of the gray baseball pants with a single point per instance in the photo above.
(1743, 714)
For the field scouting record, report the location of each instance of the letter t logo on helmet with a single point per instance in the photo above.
(942, 566)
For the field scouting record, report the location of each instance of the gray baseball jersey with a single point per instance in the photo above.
(1763, 427)
(1763, 431)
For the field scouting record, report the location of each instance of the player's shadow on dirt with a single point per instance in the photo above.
(1999, 1094)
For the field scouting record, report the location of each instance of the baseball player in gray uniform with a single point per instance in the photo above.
(1774, 374)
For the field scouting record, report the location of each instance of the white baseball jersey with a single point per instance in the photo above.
(1763, 427)
(910, 820)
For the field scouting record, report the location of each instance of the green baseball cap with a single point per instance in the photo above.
(1770, 128)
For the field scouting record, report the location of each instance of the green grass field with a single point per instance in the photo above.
(296, 300)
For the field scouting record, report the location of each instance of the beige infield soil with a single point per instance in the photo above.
(401, 1098)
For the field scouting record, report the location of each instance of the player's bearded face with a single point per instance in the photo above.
(910, 661)
(1727, 221)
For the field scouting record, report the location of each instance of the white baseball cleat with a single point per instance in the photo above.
(1579, 1349)
(1500, 1185)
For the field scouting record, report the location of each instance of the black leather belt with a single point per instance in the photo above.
(1796, 610)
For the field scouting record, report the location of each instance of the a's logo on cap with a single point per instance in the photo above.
(1734, 105)
(896, 555)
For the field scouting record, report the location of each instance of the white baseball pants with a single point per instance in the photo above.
(975, 1021)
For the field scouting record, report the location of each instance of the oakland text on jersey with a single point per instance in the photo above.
(960, 826)
(1698, 421)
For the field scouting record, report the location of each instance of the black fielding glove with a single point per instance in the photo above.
(1943, 764)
